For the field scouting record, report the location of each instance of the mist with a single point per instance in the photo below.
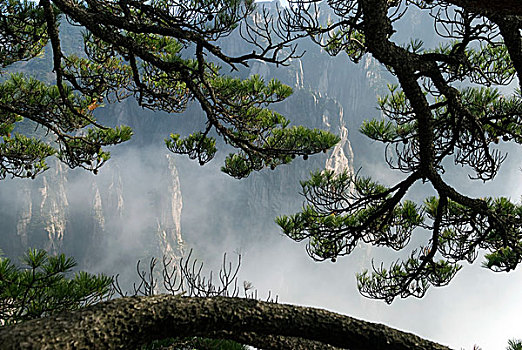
(148, 202)
(478, 307)
(220, 214)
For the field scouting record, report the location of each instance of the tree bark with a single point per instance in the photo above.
(132, 321)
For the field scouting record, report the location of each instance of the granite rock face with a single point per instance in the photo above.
(144, 200)
(123, 214)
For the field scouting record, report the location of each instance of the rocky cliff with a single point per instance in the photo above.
(123, 214)
(144, 200)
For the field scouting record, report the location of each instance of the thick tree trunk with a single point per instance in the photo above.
(129, 322)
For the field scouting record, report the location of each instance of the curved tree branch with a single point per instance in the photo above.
(132, 321)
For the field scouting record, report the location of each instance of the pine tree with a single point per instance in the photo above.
(445, 105)
(445, 108)
(43, 286)
(514, 344)
(140, 49)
